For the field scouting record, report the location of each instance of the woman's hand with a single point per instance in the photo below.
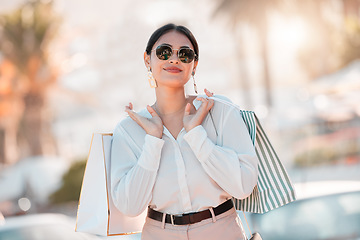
(152, 126)
(192, 120)
(208, 93)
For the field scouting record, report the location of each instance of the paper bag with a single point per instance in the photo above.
(96, 211)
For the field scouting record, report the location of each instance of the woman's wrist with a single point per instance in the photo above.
(188, 128)
(156, 134)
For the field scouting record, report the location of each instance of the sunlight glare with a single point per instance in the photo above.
(288, 32)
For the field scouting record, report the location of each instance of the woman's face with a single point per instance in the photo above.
(171, 72)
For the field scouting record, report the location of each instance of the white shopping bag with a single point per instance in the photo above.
(96, 211)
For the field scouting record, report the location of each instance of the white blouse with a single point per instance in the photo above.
(199, 169)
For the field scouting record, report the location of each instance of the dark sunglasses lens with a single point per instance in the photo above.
(163, 52)
(186, 55)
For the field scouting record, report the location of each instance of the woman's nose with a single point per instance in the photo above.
(174, 57)
(174, 61)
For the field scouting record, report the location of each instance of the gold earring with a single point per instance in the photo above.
(195, 87)
(151, 79)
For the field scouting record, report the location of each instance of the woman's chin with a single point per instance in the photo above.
(173, 81)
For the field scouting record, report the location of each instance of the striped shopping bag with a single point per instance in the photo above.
(273, 188)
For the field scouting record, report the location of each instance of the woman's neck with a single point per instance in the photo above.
(170, 102)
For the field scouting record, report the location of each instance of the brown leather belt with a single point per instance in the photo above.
(190, 218)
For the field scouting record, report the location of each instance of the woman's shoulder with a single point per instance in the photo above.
(222, 98)
(223, 101)
(217, 97)
(220, 102)
(223, 105)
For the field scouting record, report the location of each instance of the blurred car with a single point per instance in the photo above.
(323, 210)
(41, 227)
(32, 179)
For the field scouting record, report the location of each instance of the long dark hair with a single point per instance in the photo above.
(167, 28)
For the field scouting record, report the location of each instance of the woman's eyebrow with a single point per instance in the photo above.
(168, 44)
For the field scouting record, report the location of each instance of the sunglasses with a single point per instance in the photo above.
(165, 51)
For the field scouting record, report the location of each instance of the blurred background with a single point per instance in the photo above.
(68, 68)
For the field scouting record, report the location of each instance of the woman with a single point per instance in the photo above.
(184, 157)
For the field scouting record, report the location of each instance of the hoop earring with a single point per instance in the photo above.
(195, 87)
(151, 79)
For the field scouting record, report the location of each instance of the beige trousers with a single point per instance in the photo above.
(224, 226)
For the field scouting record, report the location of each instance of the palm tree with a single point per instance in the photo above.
(316, 56)
(350, 49)
(25, 36)
(334, 47)
(254, 13)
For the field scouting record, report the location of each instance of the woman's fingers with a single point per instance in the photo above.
(152, 111)
(208, 93)
(129, 107)
(206, 105)
(134, 116)
(191, 121)
(210, 104)
(152, 126)
(203, 104)
(187, 109)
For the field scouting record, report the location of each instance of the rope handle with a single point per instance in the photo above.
(247, 224)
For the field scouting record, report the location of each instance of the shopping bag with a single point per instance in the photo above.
(96, 211)
(274, 188)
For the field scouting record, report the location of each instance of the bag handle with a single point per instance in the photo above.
(247, 223)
